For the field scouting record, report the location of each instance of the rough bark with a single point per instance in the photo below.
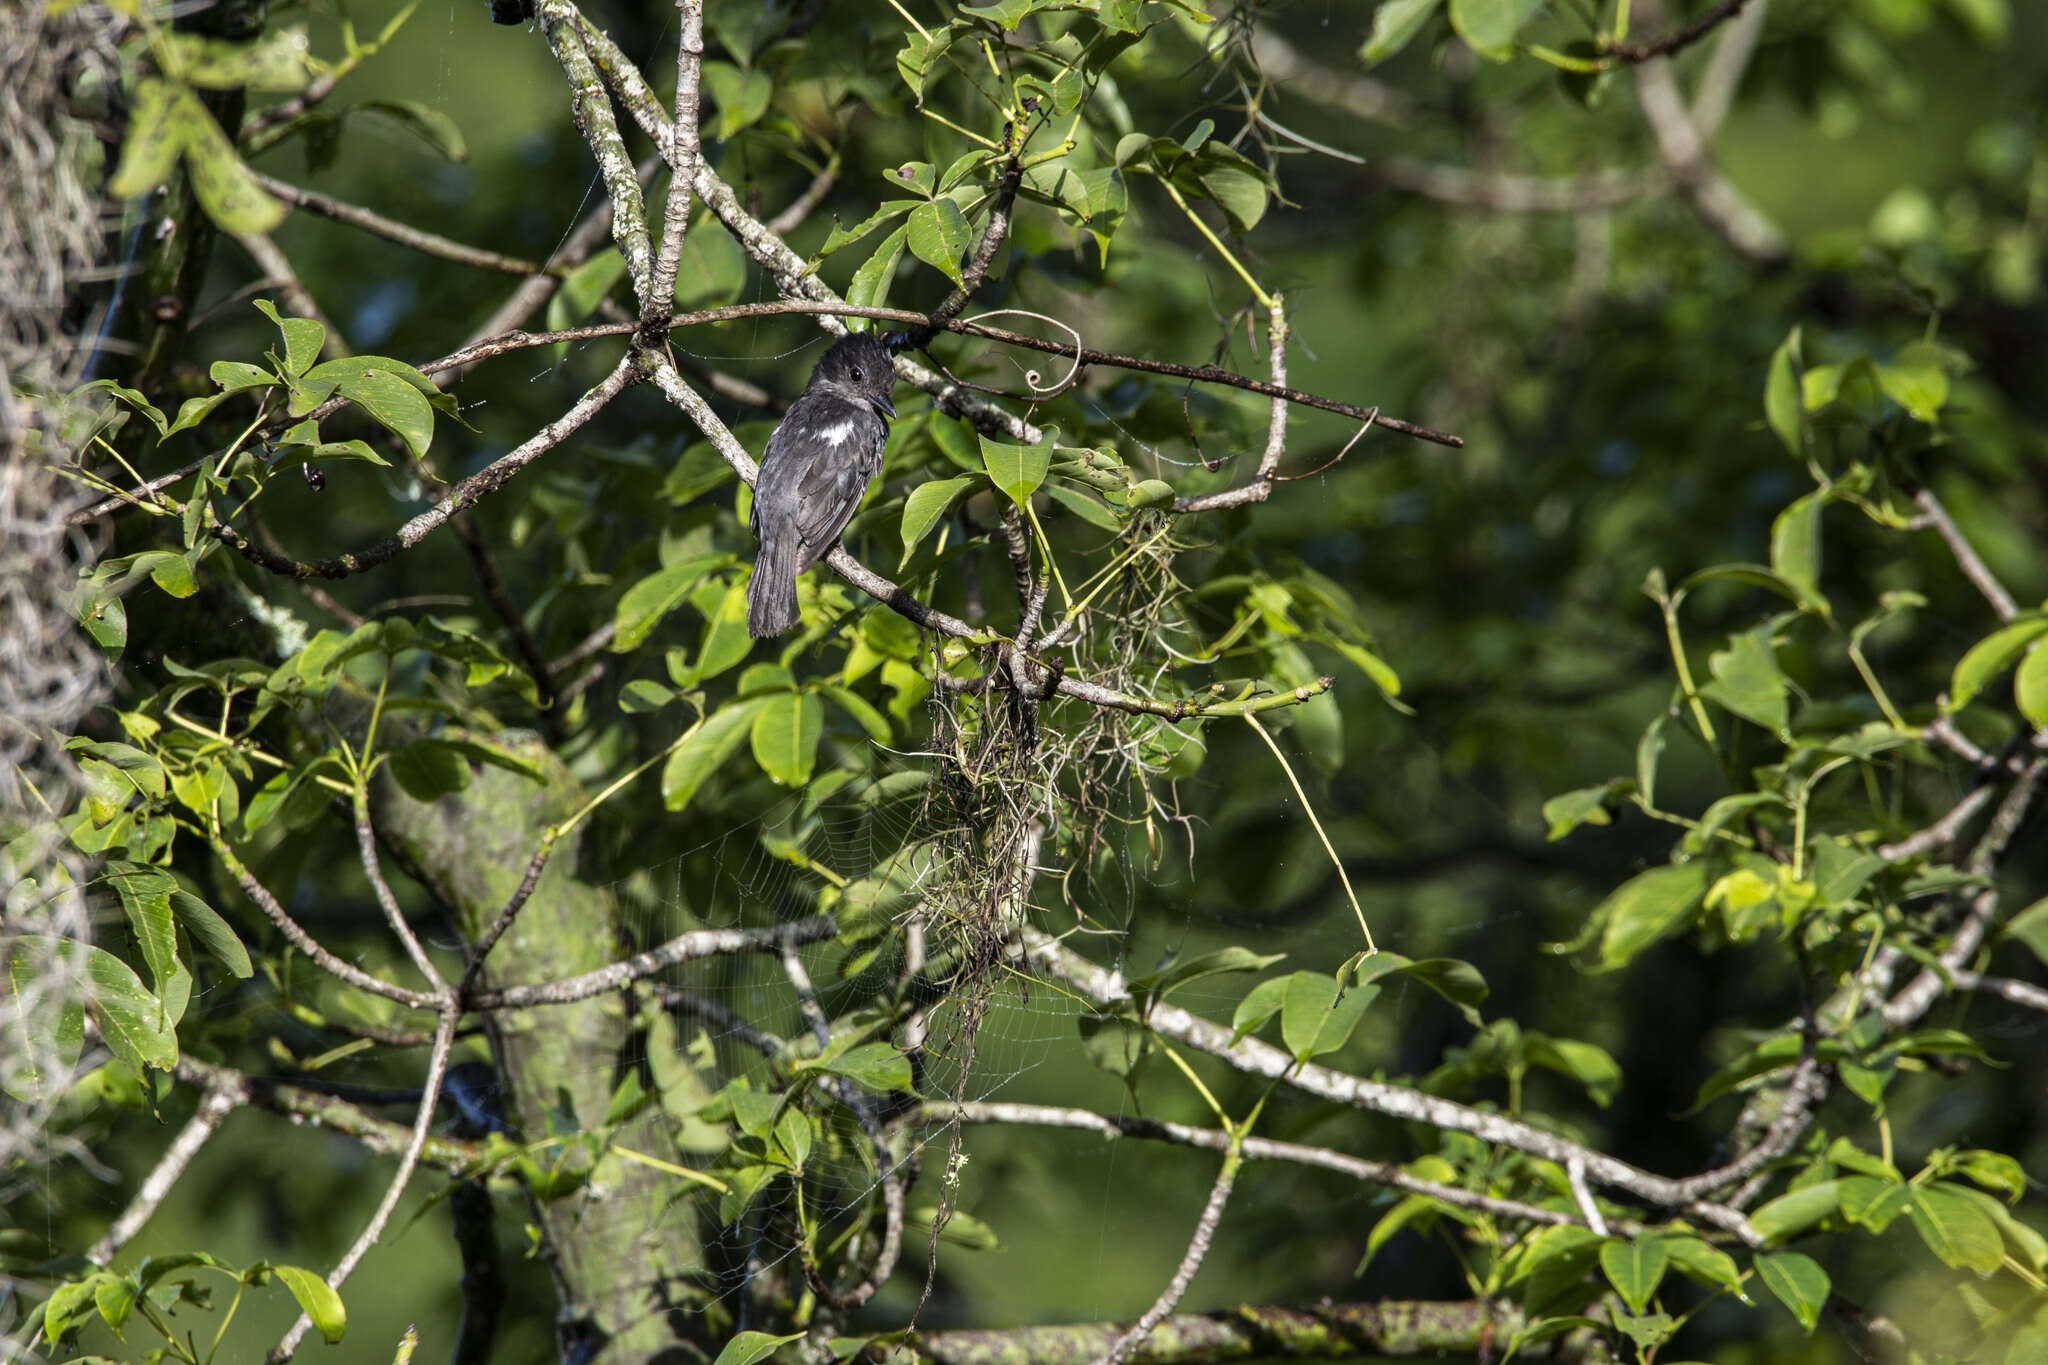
(619, 1248)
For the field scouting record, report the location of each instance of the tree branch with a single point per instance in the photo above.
(463, 495)
(1256, 1058)
(1255, 1148)
(1325, 1332)
(684, 947)
(218, 1100)
(1934, 515)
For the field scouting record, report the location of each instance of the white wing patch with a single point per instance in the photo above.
(839, 433)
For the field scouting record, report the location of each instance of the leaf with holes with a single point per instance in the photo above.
(938, 234)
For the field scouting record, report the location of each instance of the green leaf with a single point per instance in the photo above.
(872, 1066)
(1706, 1263)
(890, 210)
(741, 96)
(276, 63)
(644, 604)
(711, 269)
(1635, 1269)
(212, 932)
(1018, 470)
(870, 284)
(145, 894)
(1260, 1003)
(1083, 505)
(863, 713)
(1648, 907)
(1234, 183)
(921, 55)
(303, 338)
(785, 736)
(1991, 656)
(1798, 1281)
(1586, 806)
(1795, 548)
(115, 1297)
(1218, 963)
(133, 1022)
(438, 131)
(1489, 26)
(926, 506)
(750, 1347)
(1456, 981)
(1314, 1018)
(429, 769)
(585, 287)
(2030, 686)
(68, 1304)
(705, 750)
(1872, 1202)
(1798, 1210)
(1955, 1229)
(938, 234)
(1919, 389)
(642, 695)
(1008, 13)
(390, 398)
(1782, 406)
(1394, 25)
(1747, 680)
(226, 187)
(725, 641)
(318, 1299)
(154, 140)
(1591, 1066)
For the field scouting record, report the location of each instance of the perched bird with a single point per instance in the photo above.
(818, 465)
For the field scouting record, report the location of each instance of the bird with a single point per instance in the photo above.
(818, 464)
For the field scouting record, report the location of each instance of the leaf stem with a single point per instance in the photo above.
(1301, 795)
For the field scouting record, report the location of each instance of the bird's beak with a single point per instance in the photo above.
(882, 403)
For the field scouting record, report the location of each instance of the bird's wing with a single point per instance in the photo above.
(847, 445)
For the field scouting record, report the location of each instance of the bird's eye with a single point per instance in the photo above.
(856, 372)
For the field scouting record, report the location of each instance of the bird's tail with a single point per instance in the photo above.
(771, 593)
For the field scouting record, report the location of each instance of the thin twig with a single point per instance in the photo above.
(342, 971)
(1575, 1172)
(417, 239)
(1936, 516)
(217, 1101)
(483, 946)
(373, 867)
(1190, 1261)
(1678, 38)
(430, 1095)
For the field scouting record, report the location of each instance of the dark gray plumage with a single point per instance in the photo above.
(815, 471)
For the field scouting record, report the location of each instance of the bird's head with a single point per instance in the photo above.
(858, 366)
